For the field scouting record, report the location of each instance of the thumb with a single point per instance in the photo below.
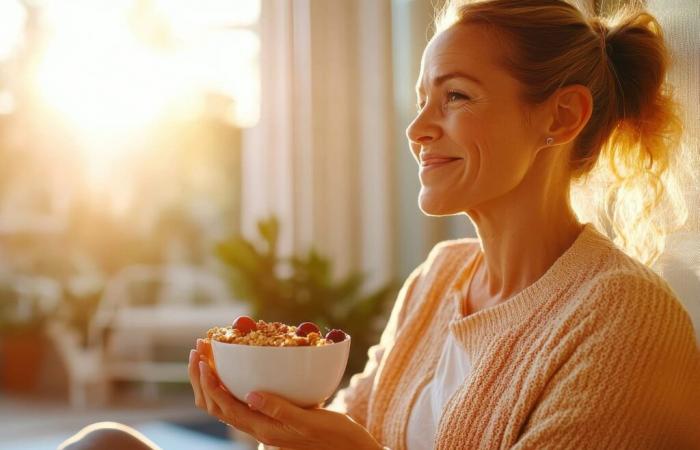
(275, 407)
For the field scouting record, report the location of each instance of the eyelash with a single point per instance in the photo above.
(449, 94)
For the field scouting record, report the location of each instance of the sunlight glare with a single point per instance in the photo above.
(209, 13)
(114, 67)
(12, 18)
(97, 74)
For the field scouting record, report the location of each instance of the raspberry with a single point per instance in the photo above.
(307, 327)
(336, 335)
(244, 324)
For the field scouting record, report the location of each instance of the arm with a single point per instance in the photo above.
(627, 381)
(354, 399)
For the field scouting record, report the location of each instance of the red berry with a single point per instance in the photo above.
(336, 335)
(307, 327)
(244, 324)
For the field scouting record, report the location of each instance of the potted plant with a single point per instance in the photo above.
(301, 288)
(25, 306)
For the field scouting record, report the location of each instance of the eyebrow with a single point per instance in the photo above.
(448, 76)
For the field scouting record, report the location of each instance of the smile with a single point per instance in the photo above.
(435, 163)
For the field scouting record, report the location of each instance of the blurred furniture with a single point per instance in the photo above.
(145, 314)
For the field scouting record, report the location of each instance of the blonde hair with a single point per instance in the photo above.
(632, 139)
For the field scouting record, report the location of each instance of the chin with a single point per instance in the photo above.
(436, 206)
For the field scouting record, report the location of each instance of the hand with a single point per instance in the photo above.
(272, 419)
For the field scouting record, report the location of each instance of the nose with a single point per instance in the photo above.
(422, 130)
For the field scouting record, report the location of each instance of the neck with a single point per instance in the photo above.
(516, 258)
(521, 238)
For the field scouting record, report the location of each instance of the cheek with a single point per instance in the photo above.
(467, 135)
(501, 162)
(494, 162)
(497, 140)
(494, 159)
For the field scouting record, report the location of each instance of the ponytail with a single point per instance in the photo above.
(642, 202)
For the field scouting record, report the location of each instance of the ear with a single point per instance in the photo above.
(569, 110)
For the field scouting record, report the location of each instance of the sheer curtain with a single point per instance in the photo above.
(680, 263)
(321, 156)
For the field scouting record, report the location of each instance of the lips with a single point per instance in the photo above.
(432, 160)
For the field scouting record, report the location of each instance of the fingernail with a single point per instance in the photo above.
(254, 400)
(192, 353)
(202, 367)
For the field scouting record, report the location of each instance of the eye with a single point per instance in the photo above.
(452, 96)
(455, 96)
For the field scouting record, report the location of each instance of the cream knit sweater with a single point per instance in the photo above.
(598, 353)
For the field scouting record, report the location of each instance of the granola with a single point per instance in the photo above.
(245, 331)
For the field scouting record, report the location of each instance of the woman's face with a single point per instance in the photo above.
(471, 137)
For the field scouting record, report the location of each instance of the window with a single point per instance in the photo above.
(124, 118)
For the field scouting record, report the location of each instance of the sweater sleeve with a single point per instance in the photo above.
(354, 399)
(630, 378)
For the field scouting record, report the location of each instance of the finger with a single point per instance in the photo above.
(219, 406)
(204, 349)
(235, 412)
(193, 372)
(206, 346)
(200, 347)
(204, 381)
(279, 409)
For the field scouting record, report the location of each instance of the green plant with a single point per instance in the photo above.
(302, 288)
(22, 310)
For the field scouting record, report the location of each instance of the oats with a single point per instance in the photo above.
(268, 334)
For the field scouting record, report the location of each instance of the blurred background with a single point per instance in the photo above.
(168, 165)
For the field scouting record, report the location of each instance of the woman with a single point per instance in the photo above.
(541, 333)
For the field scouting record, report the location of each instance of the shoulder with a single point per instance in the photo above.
(444, 260)
(451, 252)
(634, 304)
(631, 287)
(638, 322)
(619, 296)
(623, 319)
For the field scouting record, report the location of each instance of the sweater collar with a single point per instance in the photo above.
(589, 244)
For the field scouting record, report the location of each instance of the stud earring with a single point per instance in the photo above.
(550, 140)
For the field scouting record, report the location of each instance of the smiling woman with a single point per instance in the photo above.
(538, 307)
(541, 332)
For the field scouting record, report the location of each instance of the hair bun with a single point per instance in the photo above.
(638, 59)
(602, 30)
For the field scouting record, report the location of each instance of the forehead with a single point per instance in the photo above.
(468, 49)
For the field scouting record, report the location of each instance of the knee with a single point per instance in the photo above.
(107, 436)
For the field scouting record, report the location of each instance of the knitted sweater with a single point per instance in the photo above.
(597, 353)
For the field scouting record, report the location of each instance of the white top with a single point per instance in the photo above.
(453, 368)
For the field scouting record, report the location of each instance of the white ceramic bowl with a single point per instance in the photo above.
(306, 376)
